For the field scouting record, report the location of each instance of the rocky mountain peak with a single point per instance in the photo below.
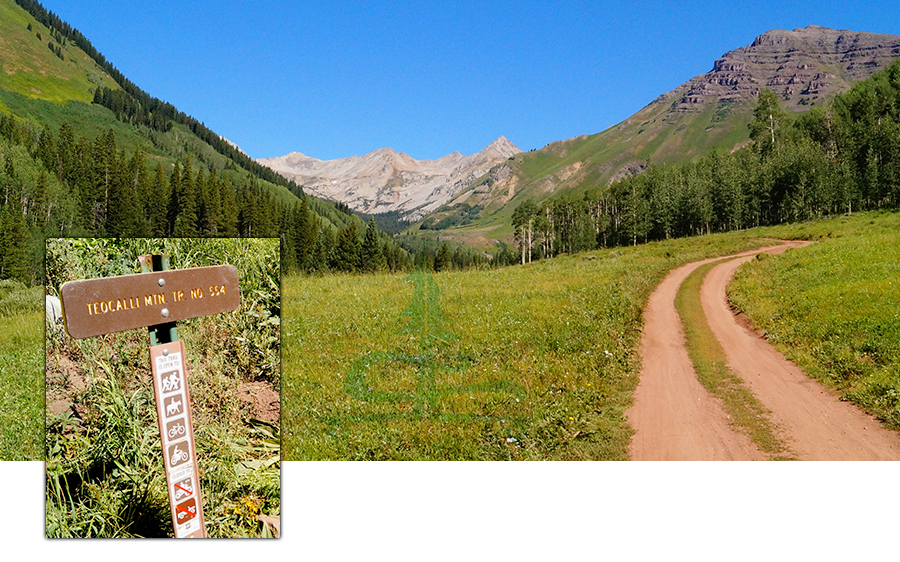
(386, 180)
(502, 147)
(801, 65)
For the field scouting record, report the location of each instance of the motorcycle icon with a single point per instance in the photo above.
(178, 455)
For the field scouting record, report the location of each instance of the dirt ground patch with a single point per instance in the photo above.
(675, 418)
(263, 400)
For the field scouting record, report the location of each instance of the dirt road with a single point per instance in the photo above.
(675, 418)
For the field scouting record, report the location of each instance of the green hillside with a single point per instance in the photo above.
(26, 68)
(85, 152)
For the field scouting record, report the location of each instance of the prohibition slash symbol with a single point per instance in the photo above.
(186, 510)
(156, 299)
(183, 489)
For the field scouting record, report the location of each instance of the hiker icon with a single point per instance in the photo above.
(170, 381)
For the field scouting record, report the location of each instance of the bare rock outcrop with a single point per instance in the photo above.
(801, 66)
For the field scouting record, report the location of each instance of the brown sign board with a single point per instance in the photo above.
(101, 306)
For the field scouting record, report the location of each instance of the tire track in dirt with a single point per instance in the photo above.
(813, 421)
(675, 418)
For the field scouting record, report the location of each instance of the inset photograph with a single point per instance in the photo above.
(163, 378)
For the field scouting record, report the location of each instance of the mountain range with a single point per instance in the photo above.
(806, 67)
(385, 180)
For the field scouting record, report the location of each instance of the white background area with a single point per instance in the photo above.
(527, 511)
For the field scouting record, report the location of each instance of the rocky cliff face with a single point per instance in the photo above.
(385, 180)
(801, 66)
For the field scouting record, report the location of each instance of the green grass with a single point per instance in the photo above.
(27, 65)
(834, 307)
(546, 327)
(710, 362)
(22, 383)
(358, 383)
(541, 363)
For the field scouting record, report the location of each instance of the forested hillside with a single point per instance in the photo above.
(85, 152)
(840, 158)
(804, 67)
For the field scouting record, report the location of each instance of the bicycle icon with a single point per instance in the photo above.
(176, 430)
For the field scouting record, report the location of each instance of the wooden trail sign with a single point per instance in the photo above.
(156, 300)
(101, 306)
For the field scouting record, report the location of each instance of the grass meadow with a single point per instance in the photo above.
(834, 307)
(533, 362)
(21, 372)
(540, 361)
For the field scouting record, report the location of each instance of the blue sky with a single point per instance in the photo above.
(336, 79)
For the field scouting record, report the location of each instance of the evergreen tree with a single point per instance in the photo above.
(443, 258)
(40, 210)
(140, 184)
(158, 203)
(323, 251)
(346, 251)
(65, 152)
(14, 240)
(227, 218)
(103, 156)
(186, 216)
(210, 205)
(248, 215)
(121, 212)
(370, 257)
(45, 150)
(306, 234)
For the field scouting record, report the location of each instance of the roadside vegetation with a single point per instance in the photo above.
(834, 307)
(710, 362)
(21, 368)
(104, 456)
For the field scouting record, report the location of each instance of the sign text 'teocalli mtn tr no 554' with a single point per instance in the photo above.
(114, 304)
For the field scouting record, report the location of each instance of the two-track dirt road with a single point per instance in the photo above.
(675, 418)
